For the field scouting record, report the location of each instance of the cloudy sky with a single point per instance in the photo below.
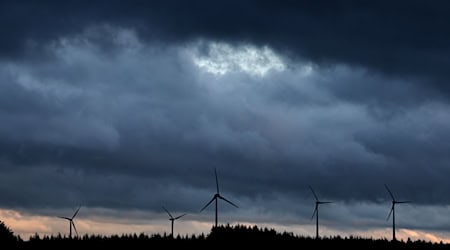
(123, 108)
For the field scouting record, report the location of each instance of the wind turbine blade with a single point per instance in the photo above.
(176, 218)
(64, 218)
(217, 180)
(314, 213)
(312, 190)
(325, 202)
(75, 214)
(390, 193)
(74, 227)
(403, 201)
(392, 209)
(208, 203)
(223, 198)
(167, 212)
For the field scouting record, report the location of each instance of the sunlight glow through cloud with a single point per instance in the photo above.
(222, 58)
(27, 225)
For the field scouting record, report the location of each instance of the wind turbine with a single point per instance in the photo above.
(71, 223)
(393, 211)
(172, 219)
(216, 197)
(316, 211)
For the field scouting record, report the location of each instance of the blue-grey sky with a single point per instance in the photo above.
(125, 107)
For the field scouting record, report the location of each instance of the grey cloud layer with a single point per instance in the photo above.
(407, 39)
(149, 113)
(122, 118)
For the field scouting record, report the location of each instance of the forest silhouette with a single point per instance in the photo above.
(225, 234)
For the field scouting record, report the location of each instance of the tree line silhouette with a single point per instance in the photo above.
(227, 235)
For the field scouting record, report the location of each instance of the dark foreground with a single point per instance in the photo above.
(223, 236)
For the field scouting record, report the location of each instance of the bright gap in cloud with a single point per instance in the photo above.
(222, 58)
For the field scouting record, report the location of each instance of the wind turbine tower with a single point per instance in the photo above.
(316, 210)
(172, 219)
(394, 201)
(71, 223)
(216, 197)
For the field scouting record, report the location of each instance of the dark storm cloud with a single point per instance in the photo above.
(407, 39)
(148, 113)
(103, 105)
